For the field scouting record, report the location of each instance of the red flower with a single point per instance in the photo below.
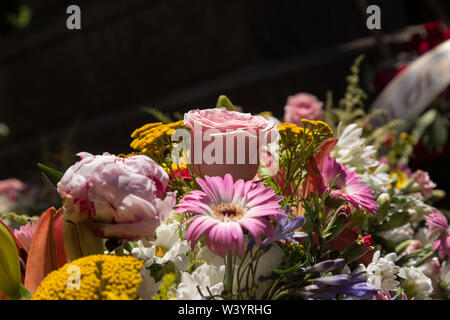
(367, 240)
(183, 172)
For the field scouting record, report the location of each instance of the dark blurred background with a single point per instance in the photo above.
(64, 91)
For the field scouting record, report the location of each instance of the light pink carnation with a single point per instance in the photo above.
(302, 106)
(425, 184)
(246, 136)
(224, 208)
(118, 198)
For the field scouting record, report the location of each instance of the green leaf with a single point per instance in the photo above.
(438, 133)
(224, 102)
(52, 175)
(10, 282)
(425, 121)
(290, 270)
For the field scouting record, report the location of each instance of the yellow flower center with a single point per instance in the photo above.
(226, 211)
(160, 251)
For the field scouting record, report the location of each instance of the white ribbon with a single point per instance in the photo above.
(412, 91)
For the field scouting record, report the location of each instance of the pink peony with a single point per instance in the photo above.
(348, 186)
(425, 184)
(302, 106)
(225, 141)
(224, 208)
(118, 198)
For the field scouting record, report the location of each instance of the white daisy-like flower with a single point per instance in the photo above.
(416, 283)
(351, 150)
(207, 278)
(167, 247)
(381, 272)
(377, 181)
(397, 234)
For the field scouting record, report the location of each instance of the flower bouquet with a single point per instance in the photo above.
(227, 205)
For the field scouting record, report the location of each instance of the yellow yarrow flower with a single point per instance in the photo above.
(154, 137)
(101, 277)
(317, 125)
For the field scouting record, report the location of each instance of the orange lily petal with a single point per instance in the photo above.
(58, 237)
(324, 151)
(42, 255)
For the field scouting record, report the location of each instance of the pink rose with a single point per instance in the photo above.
(225, 141)
(425, 184)
(302, 106)
(118, 198)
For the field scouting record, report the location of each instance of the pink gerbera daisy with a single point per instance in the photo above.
(348, 186)
(438, 224)
(224, 208)
(25, 233)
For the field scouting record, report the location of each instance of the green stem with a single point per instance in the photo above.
(228, 280)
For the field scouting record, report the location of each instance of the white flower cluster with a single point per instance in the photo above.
(381, 272)
(167, 247)
(351, 150)
(417, 283)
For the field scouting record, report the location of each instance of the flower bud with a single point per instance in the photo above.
(357, 249)
(323, 266)
(338, 280)
(410, 186)
(80, 241)
(384, 201)
(337, 223)
(327, 265)
(383, 168)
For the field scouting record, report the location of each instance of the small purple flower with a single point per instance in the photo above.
(326, 266)
(344, 286)
(285, 229)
